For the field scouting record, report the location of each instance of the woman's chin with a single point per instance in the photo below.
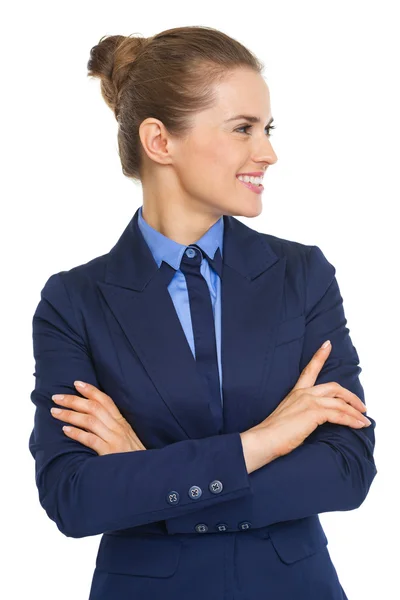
(253, 209)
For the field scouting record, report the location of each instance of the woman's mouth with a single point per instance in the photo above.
(258, 189)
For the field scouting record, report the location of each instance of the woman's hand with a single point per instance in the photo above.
(307, 406)
(107, 432)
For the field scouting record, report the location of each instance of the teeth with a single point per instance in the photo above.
(251, 179)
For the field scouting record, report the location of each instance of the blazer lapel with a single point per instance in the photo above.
(251, 302)
(251, 295)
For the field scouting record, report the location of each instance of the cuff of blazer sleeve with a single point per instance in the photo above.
(232, 483)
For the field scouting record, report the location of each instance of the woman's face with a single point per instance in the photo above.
(200, 171)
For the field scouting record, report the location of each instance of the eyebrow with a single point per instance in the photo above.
(248, 118)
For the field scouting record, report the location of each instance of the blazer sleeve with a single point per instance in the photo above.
(334, 467)
(88, 494)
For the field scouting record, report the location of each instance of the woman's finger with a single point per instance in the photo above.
(91, 391)
(312, 369)
(338, 411)
(90, 440)
(85, 421)
(332, 388)
(88, 406)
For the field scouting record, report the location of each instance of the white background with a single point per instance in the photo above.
(333, 73)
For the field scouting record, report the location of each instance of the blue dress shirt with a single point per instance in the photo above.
(163, 248)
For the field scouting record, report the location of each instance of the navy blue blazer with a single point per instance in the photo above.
(184, 518)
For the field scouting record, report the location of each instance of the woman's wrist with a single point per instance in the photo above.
(258, 448)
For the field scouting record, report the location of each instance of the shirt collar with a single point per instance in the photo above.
(165, 249)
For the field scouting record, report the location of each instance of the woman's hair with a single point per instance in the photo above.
(169, 76)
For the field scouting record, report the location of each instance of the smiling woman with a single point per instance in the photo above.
(180, 98)
(214, 426)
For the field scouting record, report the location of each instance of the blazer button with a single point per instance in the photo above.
(201, 528)
(216, 487)
(195, 492)
(221, 527)
(244, 525)
(173, 497)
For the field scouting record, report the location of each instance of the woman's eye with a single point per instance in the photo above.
(247, 127)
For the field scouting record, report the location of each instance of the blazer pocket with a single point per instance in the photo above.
(146, 556)
(290, 330)
(295, 540)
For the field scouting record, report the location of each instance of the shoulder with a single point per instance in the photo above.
(307, 267)
(309, 273)
(310, 256)
(59, 287)
(290, 249)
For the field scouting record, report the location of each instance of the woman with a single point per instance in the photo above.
(214, 425)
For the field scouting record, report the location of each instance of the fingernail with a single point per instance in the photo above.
(79, 384)
(326, 344)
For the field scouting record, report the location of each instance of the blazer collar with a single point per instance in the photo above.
(131, 263)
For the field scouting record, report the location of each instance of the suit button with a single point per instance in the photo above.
(221, 527)
(244, 525)
(173, 497)
(216, 487)
(201, 528)
(195, 492)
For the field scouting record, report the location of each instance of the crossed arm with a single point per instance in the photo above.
(87, 493)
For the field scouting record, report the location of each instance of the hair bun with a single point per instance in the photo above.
(110, 61)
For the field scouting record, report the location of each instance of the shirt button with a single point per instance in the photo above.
(244, 525)
(173, 497)
(195, 492)
(221, 527)
(216, 487)
(201, 528)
